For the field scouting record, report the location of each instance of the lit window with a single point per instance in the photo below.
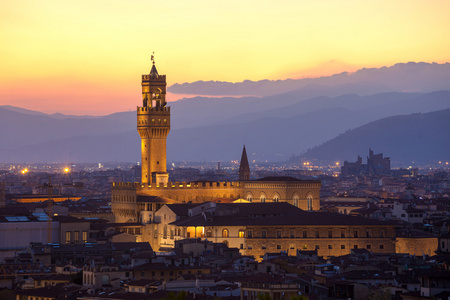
(249, 198)
(309, 200)
(68, 237)
(241, 233)
(262, 198)
(225, 233)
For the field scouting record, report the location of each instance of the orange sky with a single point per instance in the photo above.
(86, 57)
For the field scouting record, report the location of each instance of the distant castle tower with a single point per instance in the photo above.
(244, 169)
(153, 124)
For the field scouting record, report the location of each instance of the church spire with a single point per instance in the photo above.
(244, 169)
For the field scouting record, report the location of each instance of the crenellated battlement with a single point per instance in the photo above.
(161, 78)
(202, 185)
(149, 109)
(313, 184)
(177, 185)
(125, 185)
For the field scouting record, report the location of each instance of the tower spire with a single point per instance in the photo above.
(153, 71)
(244, 168)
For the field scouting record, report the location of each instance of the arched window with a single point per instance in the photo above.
(262, 198)
(276, 198)
(105, 279)
(241, 233)
(225, 233)
(295, 202)
(309, 200)
(249, 197)
(209, 233)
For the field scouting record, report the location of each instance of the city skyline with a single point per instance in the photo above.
(82, 58)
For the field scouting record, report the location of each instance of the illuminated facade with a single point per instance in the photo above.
(153, 124)
(256, 229)
(135, 202)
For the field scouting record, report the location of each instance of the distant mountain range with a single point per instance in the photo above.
(214, 129)
(412, 76)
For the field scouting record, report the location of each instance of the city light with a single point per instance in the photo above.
(24, 171)
(66, 170)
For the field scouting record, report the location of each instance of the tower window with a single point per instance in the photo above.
(157, 162)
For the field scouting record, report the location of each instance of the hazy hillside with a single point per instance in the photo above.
(373, 107)
(419, 77)
(25, 129)
(416, 137)
(213, 130)
(201, 111)
(124, 146)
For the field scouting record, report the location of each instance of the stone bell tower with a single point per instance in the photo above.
(153, 124)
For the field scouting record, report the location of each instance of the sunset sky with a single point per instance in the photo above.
(86, 57)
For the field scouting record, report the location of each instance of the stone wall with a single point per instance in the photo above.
(306, 238)
(416, 245)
